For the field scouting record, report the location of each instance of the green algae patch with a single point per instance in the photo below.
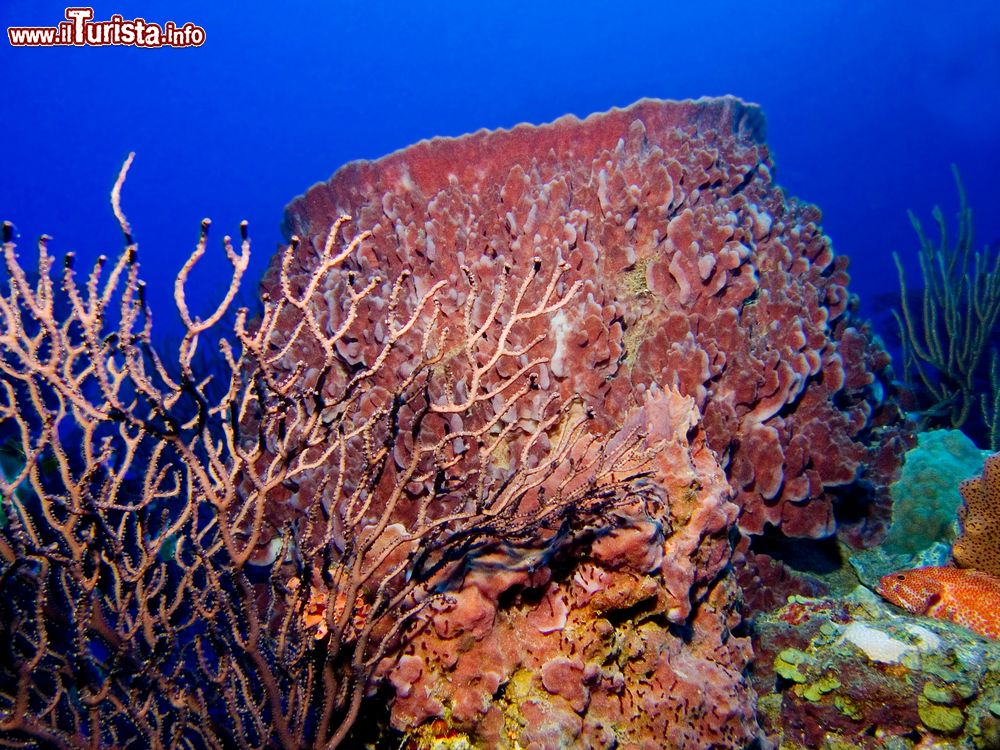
(848, 707)
(944, 719)
(947, 674)
(822, 686)
(830, 630)
(938, 694)
(965, 689)
(787, 664)
(959, 684)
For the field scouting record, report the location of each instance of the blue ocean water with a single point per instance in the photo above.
(868, 103)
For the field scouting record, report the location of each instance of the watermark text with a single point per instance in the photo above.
(81, 30)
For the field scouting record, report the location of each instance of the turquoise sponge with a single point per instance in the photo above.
(925, 499)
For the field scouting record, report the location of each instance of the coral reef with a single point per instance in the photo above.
(978, 543)
(855, 673)
(494, 454)
(693, 278)
(696, 272)
(147, 597)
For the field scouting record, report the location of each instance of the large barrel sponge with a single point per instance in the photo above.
(698, 272)
(711, 309)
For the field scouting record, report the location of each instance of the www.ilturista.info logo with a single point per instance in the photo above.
(81, 30)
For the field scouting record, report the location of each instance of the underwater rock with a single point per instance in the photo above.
(857, 673)
(698, 279)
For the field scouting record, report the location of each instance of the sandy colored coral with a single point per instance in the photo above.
(978, 544)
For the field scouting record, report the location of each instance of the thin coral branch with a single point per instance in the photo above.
(224, 558)
(991, 403)
(946, 346)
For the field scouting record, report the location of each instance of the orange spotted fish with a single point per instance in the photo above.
(968, 597)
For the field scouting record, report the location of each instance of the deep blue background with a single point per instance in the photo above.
(867, 104)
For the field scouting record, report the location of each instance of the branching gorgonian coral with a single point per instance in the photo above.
(949, 348)
(162, 581)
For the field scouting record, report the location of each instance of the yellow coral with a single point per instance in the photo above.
(978, 545)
